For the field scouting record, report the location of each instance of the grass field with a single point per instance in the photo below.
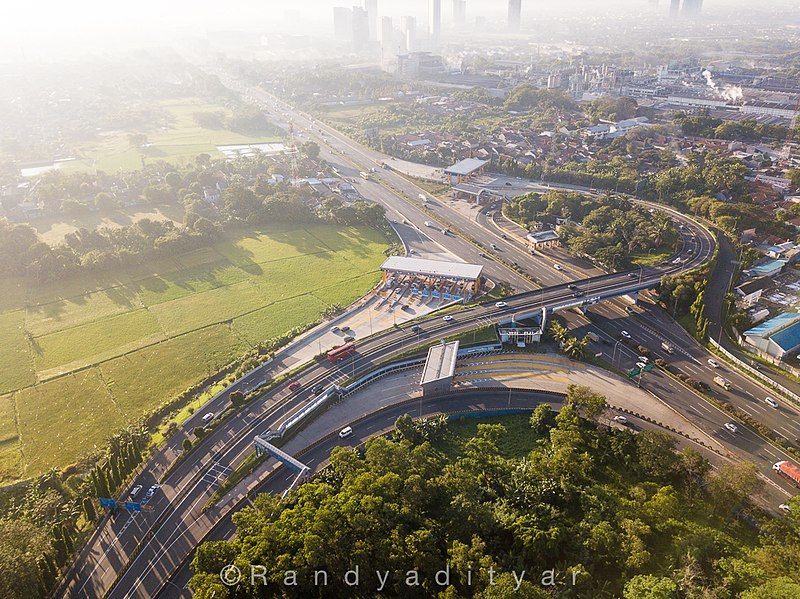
(86, 355)
(182, 140)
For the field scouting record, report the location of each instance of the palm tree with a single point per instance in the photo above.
(558, 331)
(576, 348)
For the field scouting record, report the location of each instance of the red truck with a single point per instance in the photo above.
(789, 470)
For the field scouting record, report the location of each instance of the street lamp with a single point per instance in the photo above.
(614, 353)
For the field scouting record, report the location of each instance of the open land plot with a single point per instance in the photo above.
(181, 141)
(128, 342)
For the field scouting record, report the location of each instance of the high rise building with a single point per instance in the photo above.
(360, 28)
(408, 27)
(342, 23)
(371, 6)
(459, 12)
(674, 8)
(389, 43)
(692, 8)
(435, 19)
(514, 14)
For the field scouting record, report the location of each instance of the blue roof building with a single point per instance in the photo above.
(767, 269)
(777, 336)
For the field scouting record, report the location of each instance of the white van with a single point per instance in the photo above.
(345, 432)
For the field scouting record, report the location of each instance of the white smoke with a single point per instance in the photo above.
(732, 93)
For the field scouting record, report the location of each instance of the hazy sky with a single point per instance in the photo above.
(31, 25)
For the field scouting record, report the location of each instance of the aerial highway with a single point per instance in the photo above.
(135, 555)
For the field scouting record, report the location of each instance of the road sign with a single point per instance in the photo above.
(133, 506)
(633, 372)
(649, 367)
(106, 502)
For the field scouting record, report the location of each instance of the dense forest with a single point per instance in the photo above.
(583, 510)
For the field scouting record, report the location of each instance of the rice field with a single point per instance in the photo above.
(83, 357)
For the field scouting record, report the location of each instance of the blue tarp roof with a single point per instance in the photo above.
(773, 325)
(768, 267)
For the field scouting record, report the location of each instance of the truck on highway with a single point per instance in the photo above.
(667, 347)
(364, 175)
(422, 197)
(722, 382)
(789, 470)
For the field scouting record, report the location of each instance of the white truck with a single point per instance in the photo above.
(722, 382)
(667, 347)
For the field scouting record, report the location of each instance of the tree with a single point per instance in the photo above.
(21, 545)
(655, 452)
(558, 331)
(576, 348)
(647, 586)
(237, 398)
(310, 149)
(732, 484)
(187, 444)
(778, 588)
(588, 403)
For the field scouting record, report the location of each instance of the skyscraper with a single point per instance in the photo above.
(514, 14)
(360, 28)
(435, 19)
(674, 8)
(692, 8)
(459, 12)
(371, 6)
(408, 27)
(389, 45)
(342, 23)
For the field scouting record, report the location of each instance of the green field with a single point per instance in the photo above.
(181, 141)
(84, 356)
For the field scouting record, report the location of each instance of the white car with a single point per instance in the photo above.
(558, 267)
(784, 507)
(208, 416)
(152, 491)
(447, 318)
(345, 432)
(731, 427)
(500, 305)
(713, 363)
(621, 419)
(643, 359)
(771, 402)
(625, 334)
(135, 490)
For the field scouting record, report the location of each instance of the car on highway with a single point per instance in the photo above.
(493, 246)
(412, 251)
(208, 416)
(784, 507)
(731, 427)
(294, 386)
(558, 267)
(416, 328)
(151, 491)
(348, 338)
(578, 294)
(572, 286)
(771, 402)
(428, 223)
(644, 359)
(135, 490)
(345, 432)
(345, 328)
(625, 334)
(335, 329)
(621, 419)
(447, 318)
(633, 275)
(319, 389)
(713, 363)
(500, 304)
